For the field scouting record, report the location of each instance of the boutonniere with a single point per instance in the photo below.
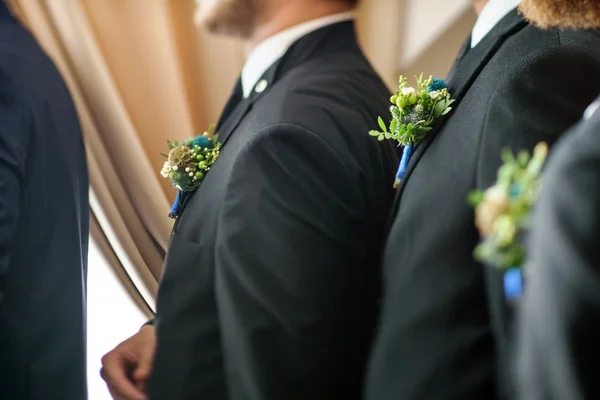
(502, 213)
(188, 162)
(414, 113)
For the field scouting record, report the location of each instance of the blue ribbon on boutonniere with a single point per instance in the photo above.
(188, 163)
(513, 284)
(414, 113)
(406, 153)
(176, 207)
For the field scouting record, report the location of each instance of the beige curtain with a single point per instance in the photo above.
(140, 73)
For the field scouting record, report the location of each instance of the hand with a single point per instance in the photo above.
(126, 369)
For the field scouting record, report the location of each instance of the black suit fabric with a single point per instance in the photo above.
(558, 348)
(517, 87)
(44, 219)
(271, 283)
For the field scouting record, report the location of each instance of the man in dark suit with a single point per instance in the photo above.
(43, 225)
(270, 289)
(516, 85)
(558, 348)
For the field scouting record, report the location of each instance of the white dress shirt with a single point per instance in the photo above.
(273, 48)
(491, 14)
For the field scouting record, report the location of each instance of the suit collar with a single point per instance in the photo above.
(467, 68)
(325, 41)
(464, 73)
(271, 49)
(5, 14)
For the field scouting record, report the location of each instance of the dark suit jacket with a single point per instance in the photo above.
(558, 349)
(270, 287)
(43, 226)
(517, 87)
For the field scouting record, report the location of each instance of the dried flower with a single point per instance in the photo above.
(179, 156)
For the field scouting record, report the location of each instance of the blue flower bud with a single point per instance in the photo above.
(201, 141)
(437, 84)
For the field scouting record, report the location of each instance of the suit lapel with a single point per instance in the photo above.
(237, 108)
(229, 110)
(464, 50)
(232, 103)
(233, 120)
(465, 71)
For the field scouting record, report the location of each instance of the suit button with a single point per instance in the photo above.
(261, 86)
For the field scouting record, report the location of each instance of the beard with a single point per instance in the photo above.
(229, 17)
(577, 14)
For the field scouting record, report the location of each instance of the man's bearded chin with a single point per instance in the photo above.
(576, 14)
(228, 17)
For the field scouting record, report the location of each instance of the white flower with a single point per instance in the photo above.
(191, 174)
(175, 167)
(187, 169)
(166, 170)
(434, 95)
(408, 91)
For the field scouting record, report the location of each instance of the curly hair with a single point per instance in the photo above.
(577, 14)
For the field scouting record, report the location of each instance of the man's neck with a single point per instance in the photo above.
(478, 5)
(289, 14)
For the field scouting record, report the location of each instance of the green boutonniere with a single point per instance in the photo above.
(189, 161)
(502, 211)
(414, 113)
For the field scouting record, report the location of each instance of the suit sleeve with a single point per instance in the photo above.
(560, 321)
(286, 286)
(547, 96)
(14, 140)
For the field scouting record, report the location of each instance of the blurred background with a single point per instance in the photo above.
(142, 72)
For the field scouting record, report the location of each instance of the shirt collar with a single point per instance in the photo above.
(491, 14)
(273, 48)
